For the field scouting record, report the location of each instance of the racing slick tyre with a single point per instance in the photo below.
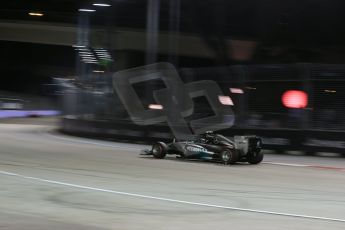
(159, 150)
(255, 157)
(228, 156)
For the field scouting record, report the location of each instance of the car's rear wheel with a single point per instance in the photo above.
(228, 156)
(159, 150)
(255, 157)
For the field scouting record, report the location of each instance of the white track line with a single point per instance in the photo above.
(321, 167)
(285, 164)
(171, 200)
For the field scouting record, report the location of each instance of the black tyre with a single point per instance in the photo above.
(228, 156)
(255, 157)
(159, 150)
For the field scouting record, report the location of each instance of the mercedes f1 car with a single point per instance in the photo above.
(214, 147)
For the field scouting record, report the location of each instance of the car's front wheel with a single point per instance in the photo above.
(255, 157)
(228, 156)
(159, 150)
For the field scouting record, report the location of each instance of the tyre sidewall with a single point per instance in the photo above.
(162, 148)
(255, 157)
(233, 156)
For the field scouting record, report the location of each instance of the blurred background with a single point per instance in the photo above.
(281, 65)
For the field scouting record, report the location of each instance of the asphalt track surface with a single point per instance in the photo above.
(52, 181)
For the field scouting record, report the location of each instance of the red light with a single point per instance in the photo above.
(225, 100)
(296, 99)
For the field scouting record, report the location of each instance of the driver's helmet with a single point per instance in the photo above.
(209, 135)
(205, 137)
(201, 138)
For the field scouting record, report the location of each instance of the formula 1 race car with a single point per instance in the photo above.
(214, 147)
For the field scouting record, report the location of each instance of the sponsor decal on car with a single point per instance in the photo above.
(195, 148)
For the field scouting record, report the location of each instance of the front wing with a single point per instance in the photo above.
(146, 152)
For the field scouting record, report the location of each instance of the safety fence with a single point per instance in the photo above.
(293, 107)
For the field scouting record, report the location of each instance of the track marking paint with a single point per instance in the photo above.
(322, 167)
(284, 164)
(171, 200)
